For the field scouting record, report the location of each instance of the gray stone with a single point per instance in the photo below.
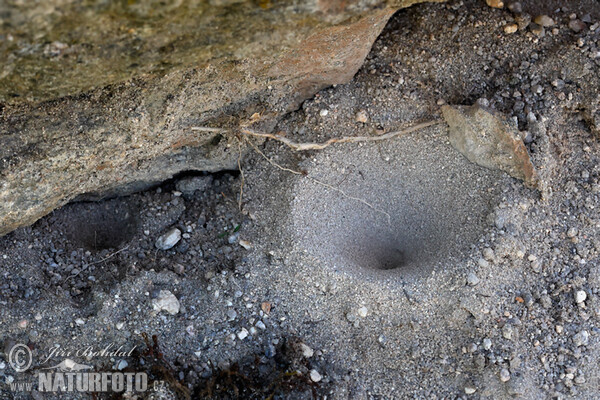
(472, 279)
(168, 239)
(166, 301)
(581, 338)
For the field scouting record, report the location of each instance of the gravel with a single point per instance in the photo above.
(379, 301)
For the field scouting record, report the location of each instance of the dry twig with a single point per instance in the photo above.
(346, 139)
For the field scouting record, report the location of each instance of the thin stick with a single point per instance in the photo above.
(346, 139)
(96, 262)
(273, 163)
(326, 185)
(207, 129)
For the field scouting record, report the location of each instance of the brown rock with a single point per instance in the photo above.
(117, 114)
(495, 3)
(488, 140)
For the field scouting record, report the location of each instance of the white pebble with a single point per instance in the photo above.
(261, 325)
(363, 312)
(243, 334)
(487, 344)
(315, 376)
(122, 364)
(472, 279)
(306, 350)
(470, 390)
(580, 296)
(504, 375)
(323, 112)
(166, 301)
(168, 240)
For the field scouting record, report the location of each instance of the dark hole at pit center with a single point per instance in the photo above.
(391, 258)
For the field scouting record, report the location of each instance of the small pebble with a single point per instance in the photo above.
(510, 29)
(122, 364)
(488, 254)
(168, 240)
(470, 390)
(323, 112)
(515, 7)
(166, 301)
(243, 334)
(362, 312)
(576, 25)
(306, 350)
(261, 325)
(231, 314)
(362, 116)
(472, 279)
(580, 296)
(581, 338)
(487, 344)
(544, 20)
(504, 375)
(315, 376)
(495, 3)
(572, 232)
(79, 321)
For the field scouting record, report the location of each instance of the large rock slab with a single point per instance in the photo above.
(486, 139)
(99, 98)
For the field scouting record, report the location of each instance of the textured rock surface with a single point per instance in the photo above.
(99, 99)
(486, 139)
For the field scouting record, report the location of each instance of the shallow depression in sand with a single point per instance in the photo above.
(429, 205)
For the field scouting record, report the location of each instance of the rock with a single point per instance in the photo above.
(260, 325)
(580, 296)
(168, 239)
(576, 25)
(523, 21)
(362, 116)
(101, 120)
(488, 254)
(472, 279)
(243, 334)
(495, 3)
(581, 338)
(121, 365)
(470, 389)
(315, 376)
(487, 344)
(508, 332)
(166, 301)
(572, 232)
(511, 28)
(488, 140)
(504, 375)
(231, 314)
(515, 7)
(306, 350)
(544, 20)
(362, 312)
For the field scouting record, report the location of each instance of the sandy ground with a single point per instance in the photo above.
(383, 270)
